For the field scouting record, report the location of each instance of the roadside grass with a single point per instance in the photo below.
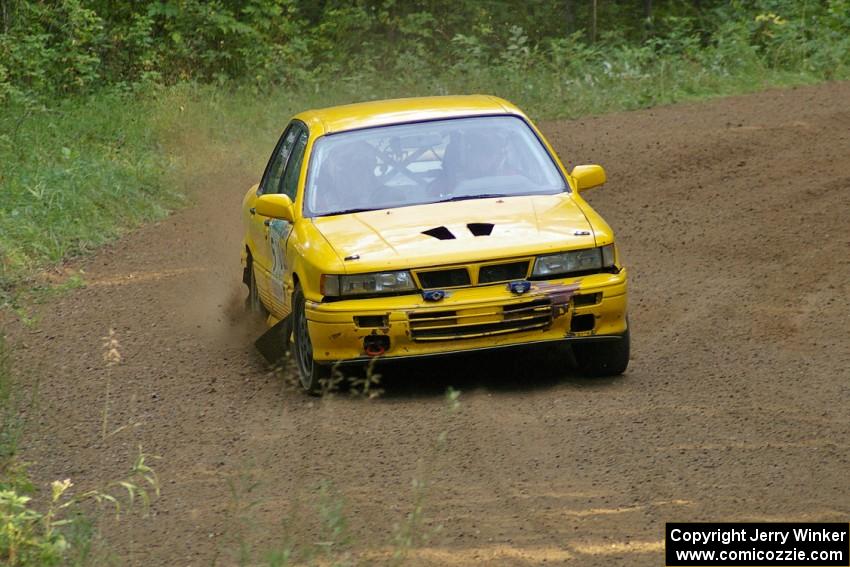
(248, 121)
(75, 175)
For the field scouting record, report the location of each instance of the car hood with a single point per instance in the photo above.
(444, 233)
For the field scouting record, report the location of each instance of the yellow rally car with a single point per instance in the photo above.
(426, 226)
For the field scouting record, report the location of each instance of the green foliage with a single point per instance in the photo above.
(49, 47)
(28, 536)
(74, 46)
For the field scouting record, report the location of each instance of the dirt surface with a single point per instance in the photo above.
(733, 218)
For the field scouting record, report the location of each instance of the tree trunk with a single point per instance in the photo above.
(647, 17)
(569, 17)
(593, 24)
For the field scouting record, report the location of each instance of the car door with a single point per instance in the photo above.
(259, 227)
(280, 230)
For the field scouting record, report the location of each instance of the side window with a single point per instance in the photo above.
(293, 168)
(274, 172)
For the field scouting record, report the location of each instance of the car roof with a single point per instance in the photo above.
(395, 111)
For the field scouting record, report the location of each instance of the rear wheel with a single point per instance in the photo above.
(310, 372)
(602, 358)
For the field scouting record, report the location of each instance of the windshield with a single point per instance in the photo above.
(428, 162)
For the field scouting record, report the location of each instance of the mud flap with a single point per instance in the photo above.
(274, 343)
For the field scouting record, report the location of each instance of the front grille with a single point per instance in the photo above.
(481, 321)
(503, 272)
(454, 277)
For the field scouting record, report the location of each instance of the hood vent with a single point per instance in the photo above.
(480, 228)
(440, 233)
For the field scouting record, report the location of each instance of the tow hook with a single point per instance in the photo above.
(376, 345)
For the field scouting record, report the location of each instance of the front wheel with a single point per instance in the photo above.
(310, 373)
(603, 358)
(253, 303)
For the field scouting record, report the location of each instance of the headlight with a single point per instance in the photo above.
(367, 284)
(574, 261)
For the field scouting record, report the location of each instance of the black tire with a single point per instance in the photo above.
(311, 374)
(253, 303)
(602, 358)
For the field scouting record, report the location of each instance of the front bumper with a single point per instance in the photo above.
(475, 318)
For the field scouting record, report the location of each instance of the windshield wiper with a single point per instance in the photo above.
(465, 197)
(348, 212)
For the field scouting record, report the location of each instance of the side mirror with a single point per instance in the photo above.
(588, 176)
(276, 206)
